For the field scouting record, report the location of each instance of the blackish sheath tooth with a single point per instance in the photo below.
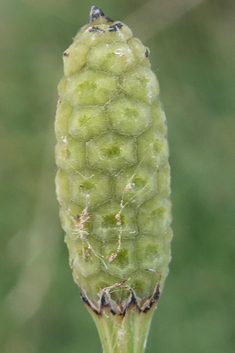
(95, 13)
(96, 29)
(115, 27)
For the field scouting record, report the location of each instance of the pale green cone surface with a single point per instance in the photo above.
(113, 173)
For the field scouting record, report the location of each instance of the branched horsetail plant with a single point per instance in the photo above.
(113, 180)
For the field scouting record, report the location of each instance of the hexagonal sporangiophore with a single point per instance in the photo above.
(96, 284)
(71, 218)
(63, 113)
(111, 152)
(140, 83)
(143, 282)
(153, 149)
(74, 62)
(150, 252)
(163, 180)
(62, 187)
(70, 155)
(128, 116)
(85, 256)
(87, 122)
(111, 220)
(167, 240)
(115, 58)
(136, 185)
(89, 87)
(159, 118)
(154, 216)
(121, 261)
(61, 89)
(88, 189)
(140, 52)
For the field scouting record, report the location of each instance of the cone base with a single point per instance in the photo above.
(123, 327)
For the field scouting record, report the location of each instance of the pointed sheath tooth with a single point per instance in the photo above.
(113, 179)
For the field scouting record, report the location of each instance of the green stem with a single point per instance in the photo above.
(123, 333)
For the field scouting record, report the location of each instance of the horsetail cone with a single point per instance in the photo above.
(113, 179)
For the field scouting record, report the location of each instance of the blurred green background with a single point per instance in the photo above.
(192, 47)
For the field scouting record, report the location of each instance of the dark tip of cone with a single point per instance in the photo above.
(95, 13)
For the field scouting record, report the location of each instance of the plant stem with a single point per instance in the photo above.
(123, 333)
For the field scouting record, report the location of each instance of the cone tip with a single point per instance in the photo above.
(97, 13)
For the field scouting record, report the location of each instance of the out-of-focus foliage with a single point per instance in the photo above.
(192, 52)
